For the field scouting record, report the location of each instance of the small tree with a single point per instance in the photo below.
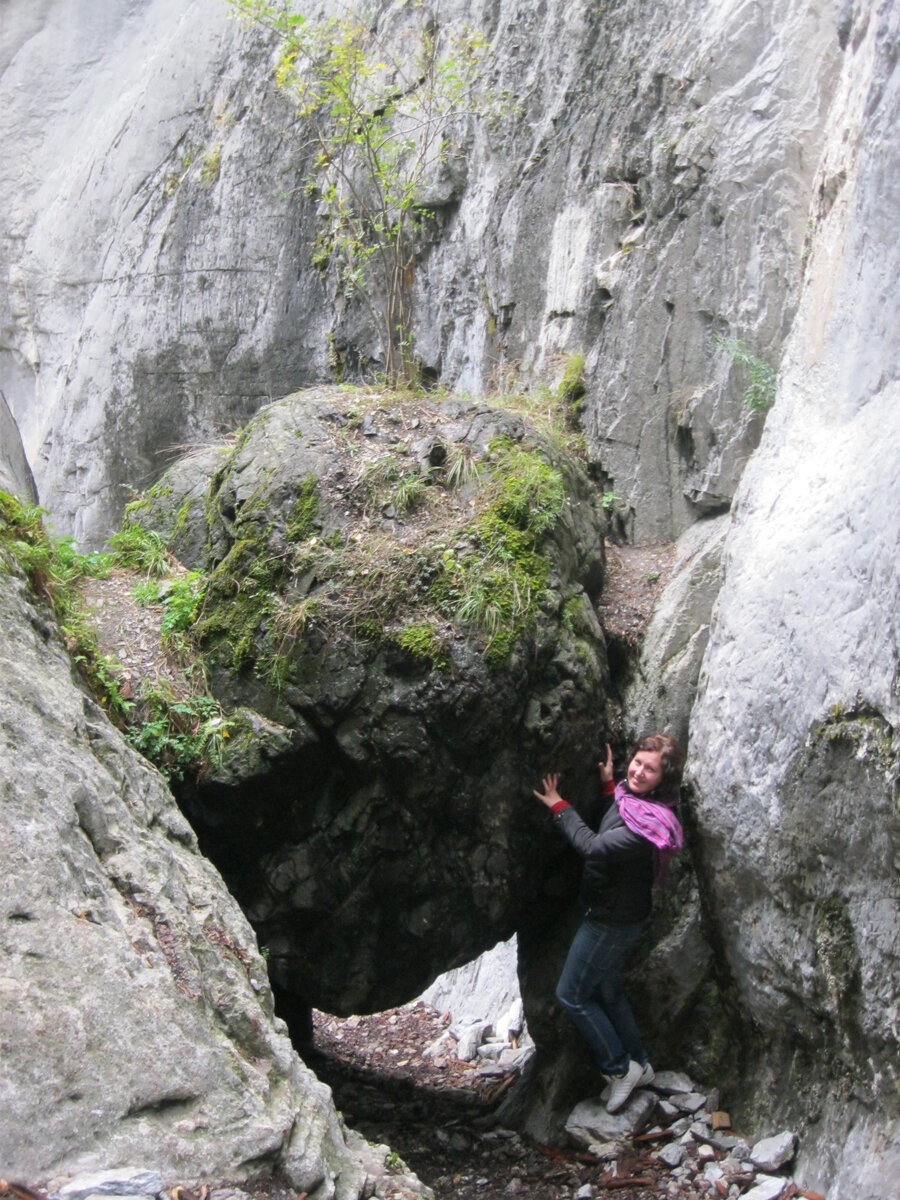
(378, 131)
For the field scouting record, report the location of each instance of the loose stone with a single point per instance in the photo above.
(771, 1153)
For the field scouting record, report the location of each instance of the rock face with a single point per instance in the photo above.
(793, 737)
(373, 809)
(136, 1018)
(15, 474)
(661, 692)
(675, 172)
(649, 191)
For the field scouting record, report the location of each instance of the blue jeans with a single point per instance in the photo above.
(590, 990)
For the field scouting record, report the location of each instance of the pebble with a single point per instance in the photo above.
(672, 1155)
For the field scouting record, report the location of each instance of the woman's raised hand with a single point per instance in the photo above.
(606, 767)
(549, 795)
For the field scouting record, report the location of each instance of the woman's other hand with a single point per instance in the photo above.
(606, 767)
(549, 795)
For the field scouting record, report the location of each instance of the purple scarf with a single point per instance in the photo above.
(655, 821)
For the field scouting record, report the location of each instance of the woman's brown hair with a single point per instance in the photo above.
(671, 759)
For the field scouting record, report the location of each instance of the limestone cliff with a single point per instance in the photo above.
(672, 173)
(794, 733)
(649, 191)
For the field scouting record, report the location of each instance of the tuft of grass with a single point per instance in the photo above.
(53, 569)
(759, 394)
(139, 548)
(460, 467)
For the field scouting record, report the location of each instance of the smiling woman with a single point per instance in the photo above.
(638, 834)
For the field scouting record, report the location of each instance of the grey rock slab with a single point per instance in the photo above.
(468, 1040)
(668, 1082)
(770, 1153)
(797, 707)
(589, 1121)
(15, 473)
(161, 281)
(131, 978)
(122, 1182)
(672, 1155)
(689, 1102)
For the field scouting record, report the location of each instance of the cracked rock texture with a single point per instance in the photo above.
(675, 172)
(794, 733)
(649, 191)
(376, 819)
(136, 1020)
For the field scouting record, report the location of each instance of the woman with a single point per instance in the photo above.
(630, 851)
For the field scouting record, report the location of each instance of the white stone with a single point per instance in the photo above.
(672, 1155)
(690, 1102)
(768, 1154)
(766, 1187)
(590, 1122)
(672, 1081)
(468, 1039)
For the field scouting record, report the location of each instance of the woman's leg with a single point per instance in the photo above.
(591, 991)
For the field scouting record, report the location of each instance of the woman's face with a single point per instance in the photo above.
(645, 772)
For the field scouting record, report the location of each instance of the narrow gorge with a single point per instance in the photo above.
(653, 319)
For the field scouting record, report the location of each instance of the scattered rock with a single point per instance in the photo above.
(589, 1121)
(672, 1082)
(672, 1155)
(773, 1152)
(767, 1187)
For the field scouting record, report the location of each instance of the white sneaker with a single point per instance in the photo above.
(623, 1086)
(647, 1077)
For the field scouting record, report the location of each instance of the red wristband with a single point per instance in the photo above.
(559, 806)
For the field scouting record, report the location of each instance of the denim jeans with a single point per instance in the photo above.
(590, 990)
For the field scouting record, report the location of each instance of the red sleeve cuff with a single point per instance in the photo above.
(608, 788)
(559, 806)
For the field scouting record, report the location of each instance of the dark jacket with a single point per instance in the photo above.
(618, 870)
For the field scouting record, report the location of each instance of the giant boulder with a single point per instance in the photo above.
(399, 617)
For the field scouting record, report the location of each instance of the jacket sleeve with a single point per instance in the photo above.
(619, 842)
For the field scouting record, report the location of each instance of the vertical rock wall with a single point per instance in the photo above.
(647, 190)
(794, 740)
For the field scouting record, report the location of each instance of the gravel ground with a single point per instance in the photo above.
(437, 1118)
